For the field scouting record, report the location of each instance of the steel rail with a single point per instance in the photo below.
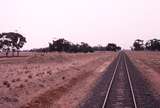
(130, 82)
(110, 85)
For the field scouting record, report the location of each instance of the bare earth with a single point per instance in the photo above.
(149, 65)
(54, 80)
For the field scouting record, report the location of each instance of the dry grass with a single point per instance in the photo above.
(149, 65)
(39, 80)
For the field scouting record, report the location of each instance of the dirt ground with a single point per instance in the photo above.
(53, 80)
(149, 65)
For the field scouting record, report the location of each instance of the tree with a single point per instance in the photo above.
(112, 47)
(138, 45)
(84, 47)
(118, 48)
(99, 48)
(66, 46)
(60, 45)
(12, 42)
(5, 44)
(1, 43)
(153, 44)
(20, 43)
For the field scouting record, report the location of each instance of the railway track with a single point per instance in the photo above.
(120, 93)
(121, 86)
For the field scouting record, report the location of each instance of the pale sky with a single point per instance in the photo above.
(92, 21)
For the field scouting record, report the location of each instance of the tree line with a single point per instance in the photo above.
(151, 45)
(63, 45)
(11, 42)
(66, 46)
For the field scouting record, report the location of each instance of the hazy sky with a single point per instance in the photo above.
(92, 21)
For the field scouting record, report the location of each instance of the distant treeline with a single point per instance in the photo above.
(151, 45)
(13, 42)
(62, 45)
